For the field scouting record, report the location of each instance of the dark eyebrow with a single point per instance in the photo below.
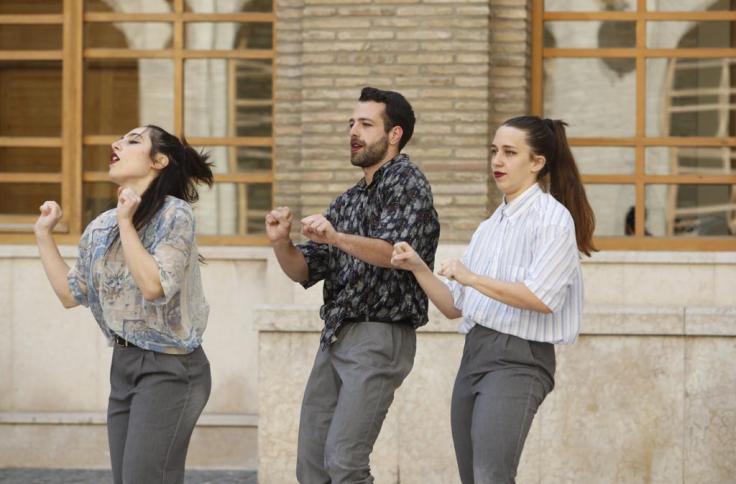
(131, 136)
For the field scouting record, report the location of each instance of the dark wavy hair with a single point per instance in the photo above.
(187, 168)
(398, 111)
(547, 137)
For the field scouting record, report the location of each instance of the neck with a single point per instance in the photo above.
(510, 197)
(369, 171)
(139, 186)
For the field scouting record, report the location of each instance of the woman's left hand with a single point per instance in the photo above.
(128, 201)
(455, 270)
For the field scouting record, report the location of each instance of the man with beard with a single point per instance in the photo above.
(370, 310)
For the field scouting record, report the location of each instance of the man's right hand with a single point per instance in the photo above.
(278, 224)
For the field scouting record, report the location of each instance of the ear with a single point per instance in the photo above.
(538, 162)
(160, 161)
(394, 136)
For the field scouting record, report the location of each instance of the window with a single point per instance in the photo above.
(649, 90)
(76, 75)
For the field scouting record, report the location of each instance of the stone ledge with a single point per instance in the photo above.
(597, 320)
(444, 251)
(211, 252)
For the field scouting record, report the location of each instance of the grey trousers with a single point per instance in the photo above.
(501, 382)
(346, 399)
(155, 400)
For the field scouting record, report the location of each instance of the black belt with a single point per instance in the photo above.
(369, 319)
(123, 342)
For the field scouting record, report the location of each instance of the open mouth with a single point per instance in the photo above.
(114, 158)
(355, 146)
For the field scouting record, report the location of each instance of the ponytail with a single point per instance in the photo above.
(567, 187)
(547, 137)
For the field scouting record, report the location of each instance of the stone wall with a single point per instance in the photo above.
(644, 395)
(462, 64)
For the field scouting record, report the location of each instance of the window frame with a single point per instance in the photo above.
(72, 140)
(640, 141)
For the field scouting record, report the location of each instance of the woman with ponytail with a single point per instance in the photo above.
(138, 272)
(519, 291)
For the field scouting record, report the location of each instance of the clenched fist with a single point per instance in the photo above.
(50, 215)
(406, 258)
(128, 201)
(278, 224)
(456, 271)
(318, 229)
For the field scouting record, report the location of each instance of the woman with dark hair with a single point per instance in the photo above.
(519, 290)
(138, 272)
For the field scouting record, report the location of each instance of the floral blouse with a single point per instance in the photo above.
(100, 280)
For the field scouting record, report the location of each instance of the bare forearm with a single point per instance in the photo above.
(513, 294)
(291, 260)
(376, 252)
(141, 264)
(437, 292)
(56, 269)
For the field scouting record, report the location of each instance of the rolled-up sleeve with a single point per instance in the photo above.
(317, 257)
(173, 249)
(408, 215)
(79, 273)
(554, 265)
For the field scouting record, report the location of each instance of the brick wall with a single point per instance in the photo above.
(462, 64)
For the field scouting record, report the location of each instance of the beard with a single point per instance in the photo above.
(371, 154)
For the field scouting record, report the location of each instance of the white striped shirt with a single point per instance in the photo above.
(530, 240)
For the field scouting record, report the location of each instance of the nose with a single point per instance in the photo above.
(354, 130)
(115, 145)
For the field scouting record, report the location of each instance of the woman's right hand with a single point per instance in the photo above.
(406, 258)
(50, 215)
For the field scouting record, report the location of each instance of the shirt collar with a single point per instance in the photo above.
(521, 203)
(400, 158)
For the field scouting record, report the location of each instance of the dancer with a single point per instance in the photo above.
(370, 310)
(519, 290)
(138, 271)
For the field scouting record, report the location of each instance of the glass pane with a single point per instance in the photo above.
(690, 35)
(238, 159)
(691, 160)
(116, 102)
(25, 198)
(594, 98)
(229, 35)
(233, 208)
(35, 6)
(691, 97)
(97, 198)
(611, 204)
(30, 37)
(604, 160)
(691, 210)
(208, 6)
(30, 98)
(30, 160)
(129, 6)
(96, 157)
(228, 97)
(589, 35)
(121, 35)
(687, 5)
(588, 5)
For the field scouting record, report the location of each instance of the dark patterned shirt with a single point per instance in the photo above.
(397, 206)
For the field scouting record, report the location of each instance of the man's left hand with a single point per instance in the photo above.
(318, 229)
